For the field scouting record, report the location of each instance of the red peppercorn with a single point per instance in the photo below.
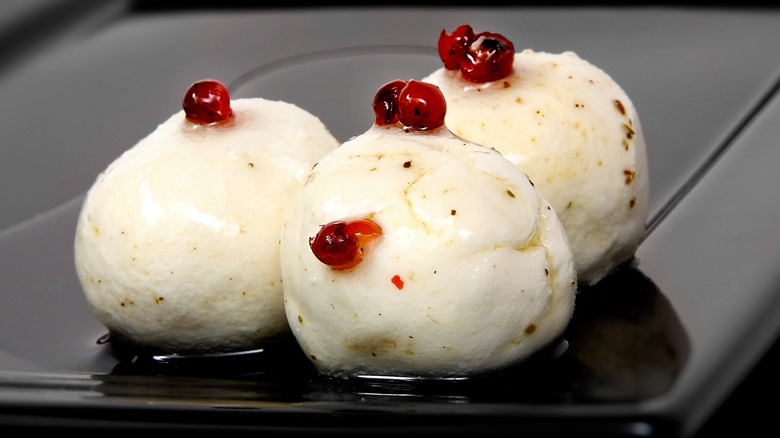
(386, 101)
(207, 102)
(415, 104)
(490, 58)
(451, 46)
(343, 244)
(421, 106)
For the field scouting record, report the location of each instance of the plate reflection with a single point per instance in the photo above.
(623, 344)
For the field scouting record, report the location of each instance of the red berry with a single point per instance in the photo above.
(488, 59)
(452, 46)
(385, 102)
(415, 104)
(207, 102)
(482, 57)
(421, 106)
(343, 244)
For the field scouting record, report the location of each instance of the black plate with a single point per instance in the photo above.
(652, 350)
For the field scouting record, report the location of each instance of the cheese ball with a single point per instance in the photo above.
(576, 133)
(468, 270)
(177, 242)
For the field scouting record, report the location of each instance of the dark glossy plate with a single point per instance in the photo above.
(652, 350)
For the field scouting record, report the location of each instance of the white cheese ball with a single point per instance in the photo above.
(472, 272)
(575, 132)
(177, 242)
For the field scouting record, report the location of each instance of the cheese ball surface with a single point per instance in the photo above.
(576, 133)
(177, 242)
(472, 272)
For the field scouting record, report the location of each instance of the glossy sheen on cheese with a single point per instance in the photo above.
(177, 242)
(576, 133)
(472, 271)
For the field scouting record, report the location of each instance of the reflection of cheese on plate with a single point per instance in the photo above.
(471, 271)
(576, 133)
(177, 241)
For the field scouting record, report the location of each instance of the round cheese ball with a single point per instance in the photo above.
(177, 242)
(575, 132)
(470, 273)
